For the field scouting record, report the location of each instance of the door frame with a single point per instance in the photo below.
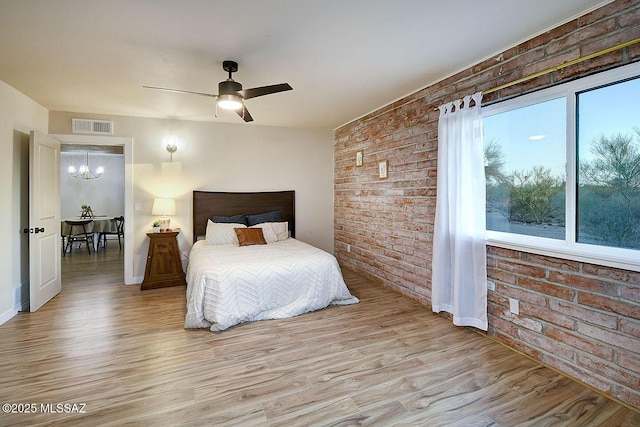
(127, 143)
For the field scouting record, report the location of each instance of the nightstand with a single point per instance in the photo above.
(164, 267)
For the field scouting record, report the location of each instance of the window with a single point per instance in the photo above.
(525, 165)
(608, 191)
(563, 170)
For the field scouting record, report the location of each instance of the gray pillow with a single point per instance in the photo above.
(274, 216)
(234, 219)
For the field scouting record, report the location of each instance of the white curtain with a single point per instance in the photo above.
(459, 269)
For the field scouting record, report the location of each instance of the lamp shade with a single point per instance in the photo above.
(229, 101)
(162, 206)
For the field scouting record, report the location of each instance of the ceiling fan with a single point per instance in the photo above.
(230, 95)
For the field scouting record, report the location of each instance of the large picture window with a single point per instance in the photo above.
(563, 170)
(608, 140)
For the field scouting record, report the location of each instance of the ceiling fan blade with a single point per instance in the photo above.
(244, 113)
(264, 90)
(181, 91)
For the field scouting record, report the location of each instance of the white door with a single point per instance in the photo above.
(44, 219)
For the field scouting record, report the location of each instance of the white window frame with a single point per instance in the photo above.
(628, 259)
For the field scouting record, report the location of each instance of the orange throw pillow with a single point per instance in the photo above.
(250, 236)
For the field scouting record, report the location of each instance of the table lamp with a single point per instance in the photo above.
(164, 207)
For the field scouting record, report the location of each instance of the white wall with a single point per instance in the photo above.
(105, 195)
(18, 116)
(211, 156)
(223, 157)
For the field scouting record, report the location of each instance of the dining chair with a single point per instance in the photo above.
(63, 238)
(78, 234)
(119, 232)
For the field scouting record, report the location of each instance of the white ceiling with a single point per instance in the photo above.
(344, 58)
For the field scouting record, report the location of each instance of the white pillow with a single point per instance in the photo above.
(274, 231)
(219, 233)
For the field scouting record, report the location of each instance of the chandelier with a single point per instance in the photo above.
(84, 172)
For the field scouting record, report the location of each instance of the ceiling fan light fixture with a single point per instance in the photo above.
(230, 95)
(229, 101)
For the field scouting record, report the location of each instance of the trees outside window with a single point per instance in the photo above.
(524, 169)
(563, 165)
(609, 192)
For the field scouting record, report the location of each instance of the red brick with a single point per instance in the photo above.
(502, 252)
(579, 373)
(609, 371)
(526, 87)
(524, 295)
(630, 18)
(495, 61)
(546, 288)
(613, 39)
(585, 314)
(630, 327)
(544, 343)
(519, 320)
(559, 31)
(522, 269)
(548, 316)
(522, 59)
(609, 304)
(584, 68)
(583, 282)
(389, 223)
(630, 293)
(519, 345)
(582, 36)
(497, 299)
(632, 397)
(506, 77)
(501, 276)
(612, 273)
(557, 263)
(606, 11)
(629, 361)
(552, 61)
(600, 350)
(609, 337)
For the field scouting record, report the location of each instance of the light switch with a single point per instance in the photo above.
(514, 306)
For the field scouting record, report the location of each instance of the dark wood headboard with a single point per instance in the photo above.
(209, 203)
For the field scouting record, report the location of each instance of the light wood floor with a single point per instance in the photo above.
(387, 361)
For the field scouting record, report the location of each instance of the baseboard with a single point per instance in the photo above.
(556, 370)
(21, 297)
(24, 304)
(7, 315)
(136, 280)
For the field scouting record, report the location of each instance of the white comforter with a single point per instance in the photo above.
(228, 284)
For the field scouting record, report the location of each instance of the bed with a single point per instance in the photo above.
(233, 279)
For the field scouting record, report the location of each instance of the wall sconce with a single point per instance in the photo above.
(171, 147)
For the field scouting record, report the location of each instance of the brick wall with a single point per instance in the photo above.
(580, 318)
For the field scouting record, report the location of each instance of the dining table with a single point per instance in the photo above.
(98, 224)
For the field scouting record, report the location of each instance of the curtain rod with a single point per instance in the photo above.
(561, 66)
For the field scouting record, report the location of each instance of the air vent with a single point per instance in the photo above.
(100, 127)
